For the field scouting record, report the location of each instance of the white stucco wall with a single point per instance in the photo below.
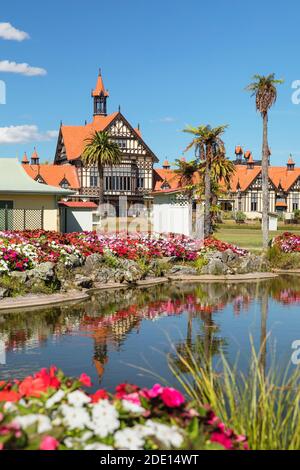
(78, 220)
(170, 217)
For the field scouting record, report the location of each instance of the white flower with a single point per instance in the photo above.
(75, 418)
(78, 399)
(129, 438)
(56, 398)
(104, 418)
(97, 446)
(42, 421)
(132, 407)
(9, 407)
(169, 436)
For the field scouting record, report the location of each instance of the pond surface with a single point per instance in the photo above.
(124, 335)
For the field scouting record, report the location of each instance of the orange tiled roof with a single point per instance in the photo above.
(54, 174)
(238, 150)
(25, 158)
(247, 154)
(100, 88)
(242, 178)
(79, 204)
(34, 156)
(74, 137)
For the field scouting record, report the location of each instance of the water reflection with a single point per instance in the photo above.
(113, 328)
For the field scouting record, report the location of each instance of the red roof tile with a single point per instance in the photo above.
(54, 174)
(74, 137)
(25, 158)
(79, 204)
(100, 88)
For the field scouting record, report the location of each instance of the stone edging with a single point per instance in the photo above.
(46, 300)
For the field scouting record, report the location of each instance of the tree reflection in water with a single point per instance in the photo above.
(110, 316)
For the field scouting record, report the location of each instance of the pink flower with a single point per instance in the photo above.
(172, 397)
(133, 398)
(155, 391)
(85, 380)
(49, 443)
(222, 439)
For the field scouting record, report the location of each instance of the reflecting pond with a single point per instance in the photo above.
(124, 335)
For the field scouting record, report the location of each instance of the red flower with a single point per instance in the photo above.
(41, 382)
(125, 389)
(99, 395)
(9, 395)
(85, 380)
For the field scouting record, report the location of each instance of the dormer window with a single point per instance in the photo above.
(64, 184)
(39, 179)
(165, 185)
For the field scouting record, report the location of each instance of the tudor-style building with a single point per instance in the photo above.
(245, 193)
(132, 178)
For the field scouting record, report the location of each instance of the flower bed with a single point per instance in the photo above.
(49, 411)
(21, 251)
(287, 242)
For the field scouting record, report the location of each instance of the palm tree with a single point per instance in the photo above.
(101, 151)
(265, 92)
(185, 171)
(208, 146)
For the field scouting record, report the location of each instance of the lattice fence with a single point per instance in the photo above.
(21, 219)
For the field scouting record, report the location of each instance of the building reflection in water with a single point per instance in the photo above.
(109, 317)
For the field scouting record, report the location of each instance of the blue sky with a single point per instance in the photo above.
(167, 63)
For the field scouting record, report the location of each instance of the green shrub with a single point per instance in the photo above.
(199, 263)
(240, 216)
(280, 260)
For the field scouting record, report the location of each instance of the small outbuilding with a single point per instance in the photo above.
(26, 204)
(172, 212)
(76, 216)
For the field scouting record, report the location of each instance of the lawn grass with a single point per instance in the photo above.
(247, 237)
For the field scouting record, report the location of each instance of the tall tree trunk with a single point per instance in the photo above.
(101, 189)
(263, 331)
(207, 191)
(265, 183)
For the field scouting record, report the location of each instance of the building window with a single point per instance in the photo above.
(64, 184)
(122, 143)
(295, 202)
(254, 198)
(93, 181)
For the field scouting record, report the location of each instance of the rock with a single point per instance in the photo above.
(93, 263)
(183, 269)
(74, 261)
(43, 271)
(4, 292)
(215, 266)
(20, 276)
(104, 275)
(83, 281)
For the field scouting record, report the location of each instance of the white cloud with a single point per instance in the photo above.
(8, 32)
(24, 69)
(24, 134)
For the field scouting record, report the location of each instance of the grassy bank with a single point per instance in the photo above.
(249, 236)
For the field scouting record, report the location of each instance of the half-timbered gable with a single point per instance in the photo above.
(133, 177)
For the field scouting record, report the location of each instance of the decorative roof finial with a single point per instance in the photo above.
(99, 73)
(119, 108)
